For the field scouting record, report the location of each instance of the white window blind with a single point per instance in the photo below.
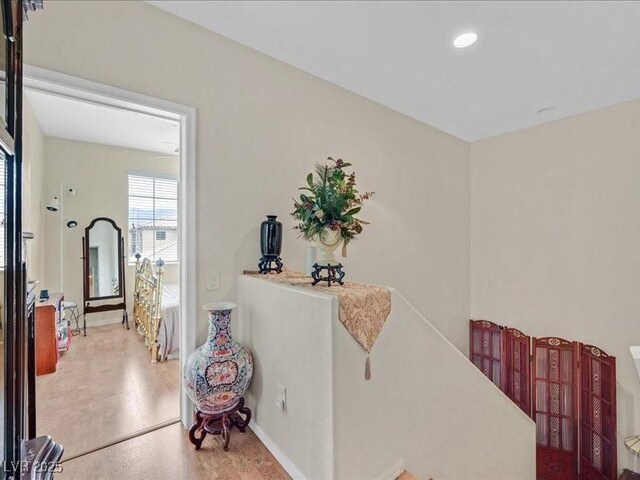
(153, 208)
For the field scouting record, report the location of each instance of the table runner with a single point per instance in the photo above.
(363, 308)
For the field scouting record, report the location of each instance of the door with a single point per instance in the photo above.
(15, 331)
(598, 450)
(555, 402)
(517, 368)
(486, 349)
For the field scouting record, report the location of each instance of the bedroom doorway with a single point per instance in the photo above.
(98, 151)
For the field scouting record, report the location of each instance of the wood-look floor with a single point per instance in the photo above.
(166, 454)
(105, 387)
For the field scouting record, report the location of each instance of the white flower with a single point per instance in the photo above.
(320, 214)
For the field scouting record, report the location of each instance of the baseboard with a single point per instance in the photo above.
(394, 472)
(287, 464)
(101, 322)
(391, 474)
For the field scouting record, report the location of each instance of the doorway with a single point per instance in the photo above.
(171, 236)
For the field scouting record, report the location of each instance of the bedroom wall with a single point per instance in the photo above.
(555, 236)
(262, 125)
(98, 173)
(34, 174)
(34, 164)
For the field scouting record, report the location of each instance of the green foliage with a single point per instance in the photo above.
(330, 201)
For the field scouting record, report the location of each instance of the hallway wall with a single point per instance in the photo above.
(262, 126)
(555, 236)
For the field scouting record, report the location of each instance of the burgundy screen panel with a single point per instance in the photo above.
(569, 390)
(517, 372)
(554, 409)
(598, 451)
(486, 349)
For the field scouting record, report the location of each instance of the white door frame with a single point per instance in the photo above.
(55, 83)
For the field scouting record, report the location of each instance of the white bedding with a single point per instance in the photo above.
(169, 334)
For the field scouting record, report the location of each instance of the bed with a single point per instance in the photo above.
(156, 310)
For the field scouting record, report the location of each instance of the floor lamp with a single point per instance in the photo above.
(56, 205)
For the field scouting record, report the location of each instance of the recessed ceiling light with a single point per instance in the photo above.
(465, 40)
(544, 110)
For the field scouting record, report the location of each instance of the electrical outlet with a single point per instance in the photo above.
(281, 398)
(213, 280)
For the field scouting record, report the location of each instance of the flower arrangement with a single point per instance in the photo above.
(330, 202)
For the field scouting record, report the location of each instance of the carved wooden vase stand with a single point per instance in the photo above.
(216, 376)
(219, 424)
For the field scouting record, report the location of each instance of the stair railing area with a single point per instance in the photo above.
(424, 408)
(569, 390)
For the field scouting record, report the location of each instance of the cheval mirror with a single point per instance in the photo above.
(103, 269)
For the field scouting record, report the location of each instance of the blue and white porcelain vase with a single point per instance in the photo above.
(218, 373)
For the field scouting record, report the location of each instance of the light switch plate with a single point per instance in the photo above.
(213, 280)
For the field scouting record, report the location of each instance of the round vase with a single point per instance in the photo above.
(217, 374)
(327, 245)
(271, 237)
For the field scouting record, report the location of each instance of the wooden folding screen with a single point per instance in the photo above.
(555, 403)
(486, 349)
(598, 452)
(517, 368)
(568, 388)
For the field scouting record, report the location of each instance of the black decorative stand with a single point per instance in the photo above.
(219, 424)
(334, 274)
(266, 264)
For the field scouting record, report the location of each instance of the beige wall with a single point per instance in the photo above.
(261, 127)
(33, 208)
(555, 242)
(98, 173)
(34, 168)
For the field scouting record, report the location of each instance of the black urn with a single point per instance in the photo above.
(270, 245)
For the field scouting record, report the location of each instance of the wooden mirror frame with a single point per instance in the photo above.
(87, 307)
(86, 257)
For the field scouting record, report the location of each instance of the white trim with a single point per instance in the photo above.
(106, 321)
(56, 83)
(394, 472)
(61, 84)
(188, 285)
(282, 459)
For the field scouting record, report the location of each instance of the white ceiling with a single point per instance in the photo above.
(76, 119)
(574, 56)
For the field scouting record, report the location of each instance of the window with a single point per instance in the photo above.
(153, 217)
